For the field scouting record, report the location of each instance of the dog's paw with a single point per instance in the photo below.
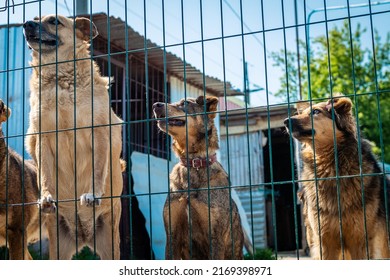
(88, 199)
(47, 204)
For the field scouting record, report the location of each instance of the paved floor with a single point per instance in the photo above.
(292, 255)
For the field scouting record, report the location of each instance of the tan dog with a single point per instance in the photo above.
(361, 231)
(77, 162)
(190, 202)
(18, 185)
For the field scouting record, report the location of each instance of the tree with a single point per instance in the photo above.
(340, 63)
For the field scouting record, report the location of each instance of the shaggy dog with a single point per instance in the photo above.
(362, 232)
(201, 220)
(74, 137)
(19, 216)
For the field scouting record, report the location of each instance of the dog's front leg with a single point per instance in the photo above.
(100, 169)
(217, 244)
(45, 163)
(176, 228)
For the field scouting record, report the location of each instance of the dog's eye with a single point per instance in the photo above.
(315, 111)
(54, 21)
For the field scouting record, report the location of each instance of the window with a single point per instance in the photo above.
(140, 132)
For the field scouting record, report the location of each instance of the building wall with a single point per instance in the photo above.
(14, 85)
(243, 160)
(180, 90)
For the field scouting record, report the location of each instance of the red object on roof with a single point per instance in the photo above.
(229, 104)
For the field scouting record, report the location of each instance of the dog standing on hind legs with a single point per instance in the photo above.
(88, 168)
(188, 207)
(320, 159)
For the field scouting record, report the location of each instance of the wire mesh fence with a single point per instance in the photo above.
(194, 129)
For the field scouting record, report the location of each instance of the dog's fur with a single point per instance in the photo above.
(187, 208)
(87, 168)
(324, 238)
(18, 195)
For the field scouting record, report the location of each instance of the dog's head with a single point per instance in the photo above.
(322, 128)
(44, 35)
(5, 112)
(190, 113)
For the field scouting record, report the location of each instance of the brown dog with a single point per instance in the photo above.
(19, 216)
(360, 232)
(82, 159)
(199, 205)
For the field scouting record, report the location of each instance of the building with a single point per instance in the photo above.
(143, 73)
(258, 154)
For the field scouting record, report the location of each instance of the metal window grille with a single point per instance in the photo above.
(263, 162)
(134, 109)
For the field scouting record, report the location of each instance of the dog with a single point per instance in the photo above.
(329, 136)
(19, 216)
(198, 206)
(74, 137)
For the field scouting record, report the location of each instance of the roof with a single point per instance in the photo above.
(261, 117)
(175, 66)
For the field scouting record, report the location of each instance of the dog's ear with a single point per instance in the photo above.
(36, 18)
(343, 114)
(342, 105)
(211, 104)
(6, 114)
(83, 25)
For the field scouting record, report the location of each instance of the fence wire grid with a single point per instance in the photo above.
(299, 85)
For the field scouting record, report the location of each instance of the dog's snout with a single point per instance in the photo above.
(291, 120)
(30, 24)
(30, 28)
(159, 109)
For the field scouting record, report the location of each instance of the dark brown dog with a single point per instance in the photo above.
(362, 234)
(201, 220)
(19, 215)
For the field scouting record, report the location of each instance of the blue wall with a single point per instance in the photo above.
(14, 85)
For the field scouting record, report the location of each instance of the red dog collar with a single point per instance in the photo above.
(199, 162)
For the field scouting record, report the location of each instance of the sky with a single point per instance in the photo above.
(190, 21)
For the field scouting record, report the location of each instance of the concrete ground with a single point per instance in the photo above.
(292, 255)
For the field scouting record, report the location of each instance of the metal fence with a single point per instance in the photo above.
(262, 59)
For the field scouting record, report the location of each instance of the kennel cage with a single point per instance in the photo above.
(261, 58)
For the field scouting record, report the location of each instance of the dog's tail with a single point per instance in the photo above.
(123, 165)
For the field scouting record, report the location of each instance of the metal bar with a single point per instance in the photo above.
(334, 137)
(385, 181)
(186, 121)
(269, 137)
(110, 127)
(358, 134)
(227, 119)
(56, 138)
(5, 139)
(290, 138)
(148, 121)
(127, 146)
